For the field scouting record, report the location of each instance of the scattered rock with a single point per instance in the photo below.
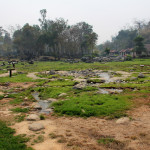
(24, 104)
(36, 127)
(33, 117)
(79, 86)
(123, 120)
(141, 75)
(133, 78)
(62, 94)
(52, 100)
(51, 72)
(37, 107)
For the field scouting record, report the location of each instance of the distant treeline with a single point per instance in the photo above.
(126, 37)
(52, 38)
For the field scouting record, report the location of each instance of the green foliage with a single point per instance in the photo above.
(19, 97)
(39, 139)
(139, 46)
(19, 118)
(88, 104)
(129, 58)
(10, 142)
(107, 51)
(1, 97)
(42, 117)
(94, 81)
(62, 83)
(115, 66)
(53, 92)
(105, 140)
(18, 109)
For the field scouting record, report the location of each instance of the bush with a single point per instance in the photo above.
(42, 117)
(129, 58)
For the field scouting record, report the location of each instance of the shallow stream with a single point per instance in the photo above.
(43, 103)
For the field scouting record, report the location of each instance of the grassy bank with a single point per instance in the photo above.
(10, 142)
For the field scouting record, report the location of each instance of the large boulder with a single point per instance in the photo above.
(36, 127)
(33, 117)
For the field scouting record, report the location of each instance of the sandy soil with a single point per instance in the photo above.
(22, 85)
(82, 134)
(7, 74)
(33, 75)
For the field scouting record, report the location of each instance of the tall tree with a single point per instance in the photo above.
(139, 46)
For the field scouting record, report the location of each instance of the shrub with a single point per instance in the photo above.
(129, 58)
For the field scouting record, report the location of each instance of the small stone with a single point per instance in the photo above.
(36, 127)
(33, 117)
(133, 78)
(123, 120)
(38, 107)
(141, 75)
(62, 94)
(51, 100)
(24, 104)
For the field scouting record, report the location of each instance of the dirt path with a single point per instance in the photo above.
(7, 74)
(48, 144)
(33, 76)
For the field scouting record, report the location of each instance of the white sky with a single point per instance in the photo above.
(106, 16)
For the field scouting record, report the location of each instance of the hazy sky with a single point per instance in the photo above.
(106, 16)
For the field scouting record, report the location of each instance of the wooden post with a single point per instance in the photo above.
(10, 72)
(142, 66)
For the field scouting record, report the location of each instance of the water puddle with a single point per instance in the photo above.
(43, 103)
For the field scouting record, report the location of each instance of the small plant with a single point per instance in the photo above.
(39, 139)
(20, 118)
(42, 117)
(52, 135)
(106, 140)
(62, 140)
(1, 97)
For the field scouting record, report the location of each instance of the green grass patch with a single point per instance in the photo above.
(56, 65)
(20, 118)
(94, 81)
(105, 140)
(19, 97)
(53, 92)
(10, 142)
(62, 83)
(1, 97)
(88, 104)
(22, 110)
(16, 78)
